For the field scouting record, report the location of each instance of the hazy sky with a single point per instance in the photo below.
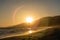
(14, 11)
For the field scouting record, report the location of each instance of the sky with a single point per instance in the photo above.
(13, 12)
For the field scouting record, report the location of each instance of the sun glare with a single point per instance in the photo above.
(29, 19)
(30, 31)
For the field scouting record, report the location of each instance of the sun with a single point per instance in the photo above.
(29, 19)
(30, 31)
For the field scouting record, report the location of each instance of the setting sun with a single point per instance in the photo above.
(30, 31)
(29, 19)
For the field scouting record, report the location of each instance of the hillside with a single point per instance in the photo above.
(53, 22)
